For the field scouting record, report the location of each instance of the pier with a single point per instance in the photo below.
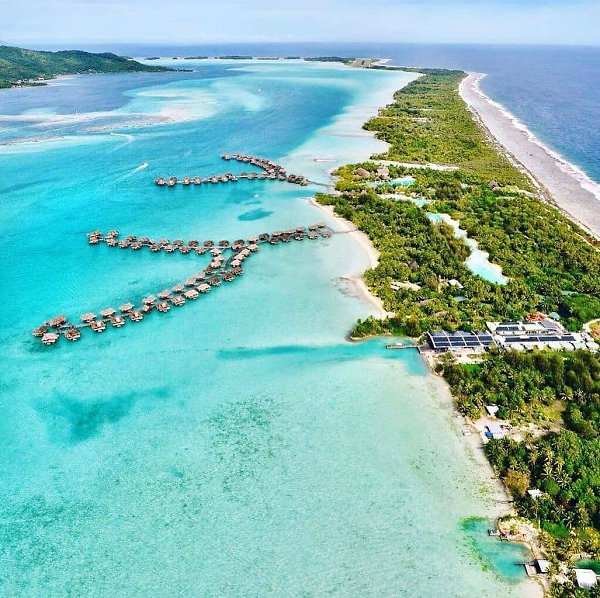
(227, 260)
(270, 171)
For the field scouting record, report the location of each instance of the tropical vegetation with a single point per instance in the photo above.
(19, 66)
(551, 265)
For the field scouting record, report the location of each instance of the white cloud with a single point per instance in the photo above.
(187, 21)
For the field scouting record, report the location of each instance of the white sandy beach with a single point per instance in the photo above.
(560, 182)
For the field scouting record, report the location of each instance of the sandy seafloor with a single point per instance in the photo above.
(563, 183)
(238, 446)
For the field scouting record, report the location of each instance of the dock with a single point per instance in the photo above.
(227, 259)
(269, 170)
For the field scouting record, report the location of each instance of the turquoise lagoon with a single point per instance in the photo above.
(238, 446)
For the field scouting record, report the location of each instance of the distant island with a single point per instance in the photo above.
(22, 67)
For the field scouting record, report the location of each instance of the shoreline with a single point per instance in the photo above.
(357, 281)
(499, 498)
(561, 183)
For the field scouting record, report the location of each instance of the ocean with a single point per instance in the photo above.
(239, 445)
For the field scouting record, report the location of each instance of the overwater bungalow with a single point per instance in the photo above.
(155, 248)
(112, 233)
(193, 243)
(208, 243)
(184, 249)
(191, 294)
(224, 243)
(169, 248)
(186, 180)
(172, 181)
(190, 282)
(57, 321)
(126, 307)
(177, 242)
(197, 180)
(160, 181)
(88, 317)
(164, 294)
(94, 240)
(98, 326)
(146, 309)
(39, 332)
(163, 307)
(203, 288)
(215, 251)
(73, 334)
(117, 321)
(253, 247)
(177, 301)
(178, 288)
(149, 300)
(111, 242)
(137, 245)
(50, 338)
(106, 313)
(136, 316)
(200, 250)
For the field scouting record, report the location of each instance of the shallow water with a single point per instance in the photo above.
(478, 261)
(237, 446)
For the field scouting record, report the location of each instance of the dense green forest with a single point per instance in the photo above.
(560, 455)
(21, 65)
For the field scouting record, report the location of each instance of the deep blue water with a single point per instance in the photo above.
(554, 90)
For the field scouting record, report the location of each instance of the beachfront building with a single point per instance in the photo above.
(586, 578)
(472, 342)
(544, 333)
(539, 333)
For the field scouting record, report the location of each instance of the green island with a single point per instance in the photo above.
(550, 398)
(21, 67)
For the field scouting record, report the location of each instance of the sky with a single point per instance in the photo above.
(166, 22)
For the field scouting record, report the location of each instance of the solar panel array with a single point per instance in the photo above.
(540, 338)
(459, 340)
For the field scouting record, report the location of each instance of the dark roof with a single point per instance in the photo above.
(459, 340)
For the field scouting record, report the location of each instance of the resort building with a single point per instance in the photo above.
(472, 342)
(539, 333)
(586, 578)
